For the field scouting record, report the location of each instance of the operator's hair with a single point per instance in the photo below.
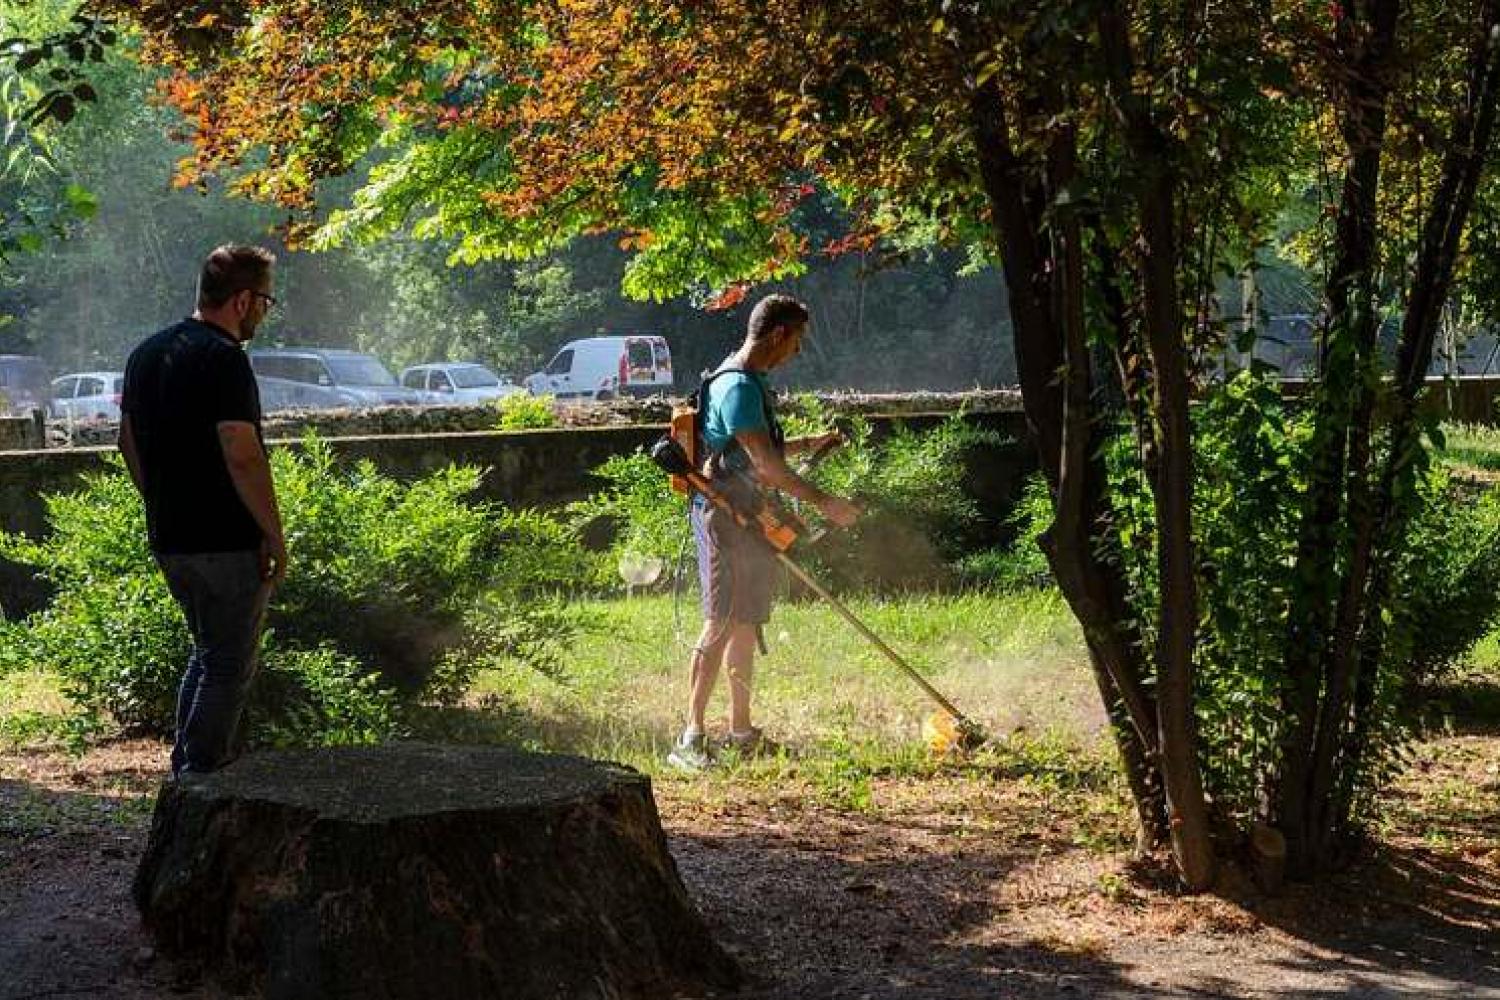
(771, 312)
(232, 268)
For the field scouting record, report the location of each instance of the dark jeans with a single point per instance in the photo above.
(224, 599)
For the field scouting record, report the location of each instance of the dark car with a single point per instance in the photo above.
(25, 384)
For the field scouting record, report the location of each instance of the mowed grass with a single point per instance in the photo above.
(32, 707)
(1014, 663)
(1471, 446)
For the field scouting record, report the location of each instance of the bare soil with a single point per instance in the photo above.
(969, 885)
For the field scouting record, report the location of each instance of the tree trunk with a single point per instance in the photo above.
(417, 871)
(1191, 839)
(1056, 398)
(1192, 843)
(1316, 685)
(1463, 168)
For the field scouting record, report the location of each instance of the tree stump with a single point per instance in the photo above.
(419, 871)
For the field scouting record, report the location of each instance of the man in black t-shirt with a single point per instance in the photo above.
(190, 433)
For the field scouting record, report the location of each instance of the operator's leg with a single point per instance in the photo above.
(690, 752)
(739, 656)
(708, 654)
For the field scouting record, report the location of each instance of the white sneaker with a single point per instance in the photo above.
(691, 753)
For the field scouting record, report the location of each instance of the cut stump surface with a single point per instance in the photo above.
(417, 871)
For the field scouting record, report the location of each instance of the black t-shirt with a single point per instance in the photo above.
(180, 384)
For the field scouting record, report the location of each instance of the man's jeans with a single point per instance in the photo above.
(224, 598)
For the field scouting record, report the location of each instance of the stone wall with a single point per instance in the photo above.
(538, 468)
(401, 420)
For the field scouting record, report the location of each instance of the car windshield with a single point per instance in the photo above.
(359, 370)
(473, 377)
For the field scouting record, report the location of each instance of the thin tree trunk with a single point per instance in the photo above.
(1092, 588)
(1192, 843)
(1311, 661)
(1463, 168)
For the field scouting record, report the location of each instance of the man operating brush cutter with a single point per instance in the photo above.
(739, 446)
(726, 450)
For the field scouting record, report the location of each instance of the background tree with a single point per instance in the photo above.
(1115, 156)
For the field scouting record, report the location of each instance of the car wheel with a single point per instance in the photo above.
(604, 395)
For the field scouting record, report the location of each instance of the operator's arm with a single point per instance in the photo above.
(812, 442)
(132, 454)
(771, 469)
(251, 473)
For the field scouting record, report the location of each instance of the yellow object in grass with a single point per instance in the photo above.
(940, 732)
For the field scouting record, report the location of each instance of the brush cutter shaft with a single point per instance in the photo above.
(875, 640)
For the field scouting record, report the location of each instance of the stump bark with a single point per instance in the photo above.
(417, 871)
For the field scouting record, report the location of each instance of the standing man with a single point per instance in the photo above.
(736, 567)
(190, 433)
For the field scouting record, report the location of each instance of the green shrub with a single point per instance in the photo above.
(320, 697)
(120, 645)
(391, 586)
(1248, 496)
(1450, 574)
(384, 571)
(918, 521)
(646, 518)
(522, 411)
(1021, 564)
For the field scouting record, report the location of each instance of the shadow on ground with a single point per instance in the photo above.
(811, 921)
(66, 861)
(824, 904)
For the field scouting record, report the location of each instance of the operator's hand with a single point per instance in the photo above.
(840, 511)
(273, 560)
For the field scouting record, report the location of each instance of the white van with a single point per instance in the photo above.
(606, 367)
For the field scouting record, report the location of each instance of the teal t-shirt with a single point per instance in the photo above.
(736, 401)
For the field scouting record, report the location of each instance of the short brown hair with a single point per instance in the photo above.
(773, 311)
(232, 268)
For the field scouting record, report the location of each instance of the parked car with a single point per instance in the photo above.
(357, 379)
(88, 396)
(458, 383)
(23, 384)
(606, 367)
(284, 394)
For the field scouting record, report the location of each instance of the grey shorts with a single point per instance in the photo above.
(736, 567)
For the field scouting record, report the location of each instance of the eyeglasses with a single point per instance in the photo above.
(270, 299)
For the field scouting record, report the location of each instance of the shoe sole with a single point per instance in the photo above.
(687, 764)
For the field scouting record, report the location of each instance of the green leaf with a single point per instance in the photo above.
(83, 202)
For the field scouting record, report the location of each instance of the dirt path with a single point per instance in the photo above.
(968, 886)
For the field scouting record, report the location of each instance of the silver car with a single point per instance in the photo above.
(355, 379)
(459, 383)
(88, 396)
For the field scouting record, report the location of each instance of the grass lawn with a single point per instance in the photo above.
(1011, 662)
(1470, 447)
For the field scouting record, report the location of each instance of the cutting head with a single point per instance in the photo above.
(946, 734)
